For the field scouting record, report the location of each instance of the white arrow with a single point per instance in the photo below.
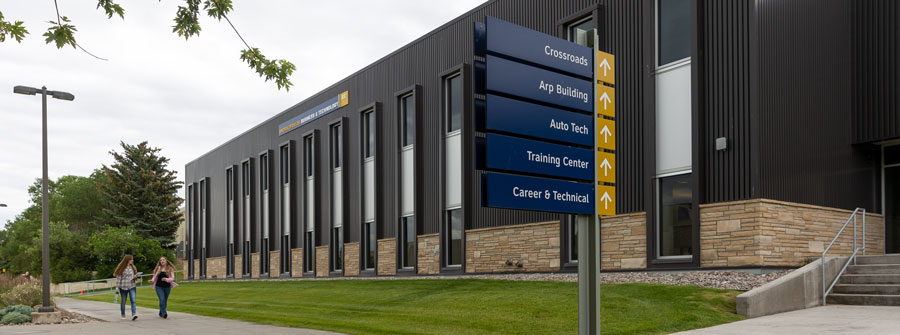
(606, 200)
(605, 65)
(606, 133)
(606, 100)
(606, 166)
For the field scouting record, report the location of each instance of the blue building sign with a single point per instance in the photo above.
(529, 82)
(539, 48)
(528, 156)
(542, 194)
(326, 107)
(523, 118)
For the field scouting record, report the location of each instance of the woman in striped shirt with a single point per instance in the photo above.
(125, 275)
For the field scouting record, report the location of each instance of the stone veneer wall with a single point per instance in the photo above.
(351, 259)
(196, 268)
(238, 266)
(429, 254)
(623, 242)
(297, 262)
(254, 265)
(216, 268)
(536, 245)
(322, 261)
(387, 257)
(274, 264)
(762, 232)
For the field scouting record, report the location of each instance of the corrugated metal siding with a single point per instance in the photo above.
(726, 112)
(805, 70)
(420, 63)
(876, 65)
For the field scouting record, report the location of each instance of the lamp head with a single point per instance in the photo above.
(63, 96)
(25, 90)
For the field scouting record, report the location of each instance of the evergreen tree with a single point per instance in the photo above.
(140, 192)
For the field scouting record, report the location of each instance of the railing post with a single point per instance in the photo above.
(864, 231)
(854, 236)
(823, 277)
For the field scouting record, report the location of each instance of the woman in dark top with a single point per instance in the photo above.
(163, 281)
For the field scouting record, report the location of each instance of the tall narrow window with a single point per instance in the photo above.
(582, 32)
(337, 233)
(229, 221)
(246, 219)
(368, 184)
(675, 195)
(454, 102)
(287, 219)
(192, 233)
(204, 226)
(407, 179)
(674, 31)
(309, 208)
(264, 214)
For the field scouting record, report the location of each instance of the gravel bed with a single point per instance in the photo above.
(67, 317)
(732, 280)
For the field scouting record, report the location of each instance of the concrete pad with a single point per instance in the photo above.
(148, 323)
(46, 317)
(831, 319)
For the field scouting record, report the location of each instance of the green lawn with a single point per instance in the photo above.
(448, 306)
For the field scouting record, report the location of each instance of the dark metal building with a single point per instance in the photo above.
(719, 102)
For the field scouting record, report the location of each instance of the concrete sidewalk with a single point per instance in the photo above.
(148, 323)
(831, 319)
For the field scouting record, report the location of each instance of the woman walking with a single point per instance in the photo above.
(163, 281)
(125, 275)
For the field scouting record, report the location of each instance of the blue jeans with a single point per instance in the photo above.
(163, 294)
(126, 294)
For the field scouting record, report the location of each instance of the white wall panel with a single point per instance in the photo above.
(673, 120)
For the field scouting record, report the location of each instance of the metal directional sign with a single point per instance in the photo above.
(506, 76)
(539, 48)
(543, 194)
(606, 203)
(606, 135)
(529, 156)
(528, 119)
(606, 67)
(606, 100)
(606, 167)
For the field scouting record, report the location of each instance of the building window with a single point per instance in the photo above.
(408, 120)
(204, 225)
(408, 242)
(309, 204)
(246, 247)
(674, 31)
(453, 100)
(453, 237)
(337, 214)
(286, 207)
(582, 32)
(229, 221)
(675, 210)
(265, 221)
(369, 245)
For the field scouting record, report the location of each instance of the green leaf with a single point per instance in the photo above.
(217, 8)
(62, 33)
(111, 8)
(13, 30)
(187, 19)
(279, 70)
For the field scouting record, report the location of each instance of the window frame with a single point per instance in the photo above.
(656, 62)
(368, 152)
(657, 185)
(308, 229)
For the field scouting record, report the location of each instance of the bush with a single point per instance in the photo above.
(22, 309)
(14, 318)
(28, 294)
(8, 281)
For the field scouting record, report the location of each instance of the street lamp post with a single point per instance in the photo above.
(45, 207)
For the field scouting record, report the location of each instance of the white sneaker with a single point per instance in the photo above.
(123, 316)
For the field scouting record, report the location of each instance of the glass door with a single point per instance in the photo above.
(891, 179)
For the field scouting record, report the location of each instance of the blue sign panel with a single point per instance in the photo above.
(519, 117)
(533, 83)
(540, 194)
(326, 107)
(536, 47)
(521, 155)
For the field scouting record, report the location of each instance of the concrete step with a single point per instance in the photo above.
(874, 269)
(867, 289)
(864, 299)
(878, 259)
(869, 279)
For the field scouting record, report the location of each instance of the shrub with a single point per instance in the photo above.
(22, 309)
(8, 281)
(28, 294)
(14, 318)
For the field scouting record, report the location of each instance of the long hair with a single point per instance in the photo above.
(122, 265)
(170, 268)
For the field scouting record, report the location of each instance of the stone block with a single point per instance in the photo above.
(322, 266)
(46, 317)
(387, 257)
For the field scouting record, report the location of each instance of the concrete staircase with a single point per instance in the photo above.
(874, 280)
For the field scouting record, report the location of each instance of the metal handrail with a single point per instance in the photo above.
(109, 284)
(852, 258)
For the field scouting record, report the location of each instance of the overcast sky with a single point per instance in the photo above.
(185, 97)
